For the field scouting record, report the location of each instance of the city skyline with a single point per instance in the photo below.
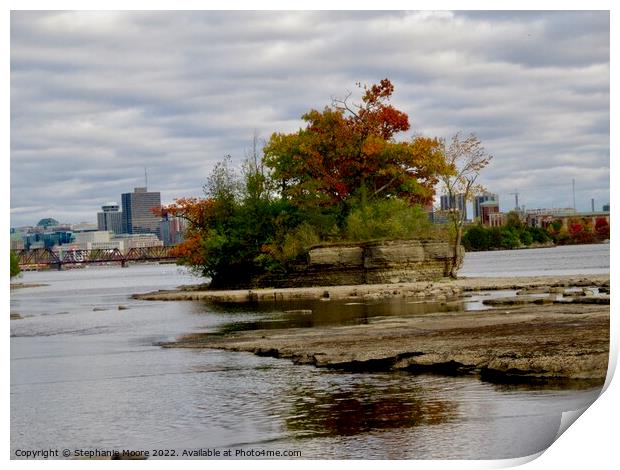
(98, 96)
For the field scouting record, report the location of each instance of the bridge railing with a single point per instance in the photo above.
(46, 256)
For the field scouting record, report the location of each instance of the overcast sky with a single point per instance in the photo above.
(98, 96)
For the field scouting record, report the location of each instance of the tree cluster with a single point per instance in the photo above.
(343, 176)
(579, 231)
(514, 234)
(482, 238)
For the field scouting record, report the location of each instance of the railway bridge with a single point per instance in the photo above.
(42, 257)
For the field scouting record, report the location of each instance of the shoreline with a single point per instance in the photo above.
(526, 344)
(437, 290)
(528, 339)
(25, 285)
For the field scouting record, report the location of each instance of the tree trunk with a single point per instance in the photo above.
(456, 262)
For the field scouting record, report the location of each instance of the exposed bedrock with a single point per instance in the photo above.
(525, 343)
(375, 262)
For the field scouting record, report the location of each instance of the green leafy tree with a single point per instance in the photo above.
(539, 235)
(15, 269)
(513, 220)
(509, 238)
(477, 238)
(525, 236)
(344, 175)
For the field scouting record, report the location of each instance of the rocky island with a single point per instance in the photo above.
(550, 328)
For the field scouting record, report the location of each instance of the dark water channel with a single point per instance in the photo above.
(86, 375)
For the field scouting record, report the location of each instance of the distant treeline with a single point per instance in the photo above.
(517, 235)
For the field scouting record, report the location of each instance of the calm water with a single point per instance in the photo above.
(94, 379)
(576, 259)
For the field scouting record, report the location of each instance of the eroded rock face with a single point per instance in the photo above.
(378, 262)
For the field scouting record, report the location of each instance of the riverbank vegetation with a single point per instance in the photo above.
(15, 270)
(342, 177)
(515, 234)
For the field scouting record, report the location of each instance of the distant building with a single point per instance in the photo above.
(47, 222)
(480, 199)
(172, 230)
(110, 219)
(47, 239)
(486, 209)
(544, 217)
(85, 227)
(455, 202)
(87, 240)
(128, 241)
(138, 216)
(605, 207)
(17, 242)
(497, 219)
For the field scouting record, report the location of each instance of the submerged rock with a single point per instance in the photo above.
(518, 301)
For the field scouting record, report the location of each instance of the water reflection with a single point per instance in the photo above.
(308, 314)
(365, 408)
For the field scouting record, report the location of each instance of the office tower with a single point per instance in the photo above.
(482, 198)
(110, 219)
(172, 230)
(138, 215)
(457, 201)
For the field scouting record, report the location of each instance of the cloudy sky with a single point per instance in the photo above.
(98, 96)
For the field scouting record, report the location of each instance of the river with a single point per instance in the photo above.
(86, 375)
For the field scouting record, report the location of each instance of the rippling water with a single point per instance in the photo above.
(86, 375)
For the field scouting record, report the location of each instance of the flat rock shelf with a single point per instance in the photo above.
(528, 342)
(519, 341)
(421, 289)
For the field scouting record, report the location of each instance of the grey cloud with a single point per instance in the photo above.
(96, 97)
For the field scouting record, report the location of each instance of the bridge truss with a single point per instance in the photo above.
(41, 257)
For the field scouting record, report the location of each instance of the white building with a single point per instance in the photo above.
(86, 240)
(137, 240)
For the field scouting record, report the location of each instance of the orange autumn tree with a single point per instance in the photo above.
(350, 151)
(196, 212)
(344, 175)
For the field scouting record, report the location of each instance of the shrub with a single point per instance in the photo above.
(526, 237)
(15, 270)
(387, 218)
(509, 238)
(539, 235)
(477, 238)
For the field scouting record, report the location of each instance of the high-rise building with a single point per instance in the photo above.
(138, 216)
(172, 230)
(110, 219)
(482, 198)
(457, 201)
